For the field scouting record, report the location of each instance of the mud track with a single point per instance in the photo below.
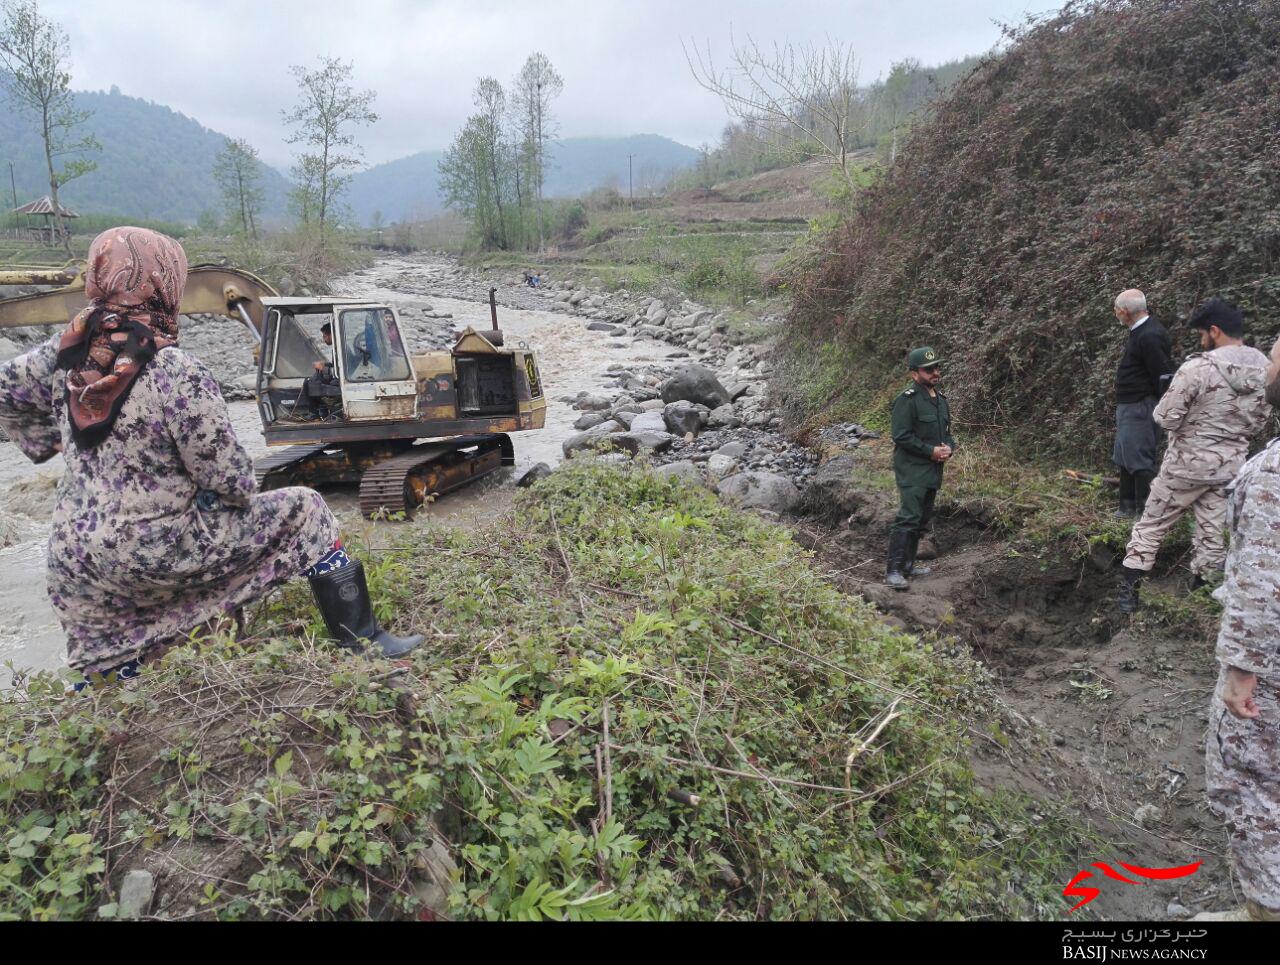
(1107, 715)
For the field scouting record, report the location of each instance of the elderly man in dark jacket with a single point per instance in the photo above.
(1144, 372)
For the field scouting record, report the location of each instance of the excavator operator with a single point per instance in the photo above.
(321, 394)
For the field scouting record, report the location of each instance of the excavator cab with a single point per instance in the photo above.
(366, 376)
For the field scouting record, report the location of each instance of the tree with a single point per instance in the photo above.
(536, 86)
(35, 55)
(239, 174)
(811, 90)
(491, 100)
(326, 110)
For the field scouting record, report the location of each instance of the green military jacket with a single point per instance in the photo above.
(920, 423)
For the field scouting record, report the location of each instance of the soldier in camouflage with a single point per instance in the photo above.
(1243, 745)
(1214, 404)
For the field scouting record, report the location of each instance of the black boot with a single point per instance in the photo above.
(342, 596)
(1126, 509)
(1127, 595)
(911, 568)
(1141, 490)
(899, 547)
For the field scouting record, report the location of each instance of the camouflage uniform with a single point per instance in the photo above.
(1214, 404)
(1243, 756)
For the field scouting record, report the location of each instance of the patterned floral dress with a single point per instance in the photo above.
(133, 561)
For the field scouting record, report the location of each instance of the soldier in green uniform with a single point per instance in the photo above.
(922, 443)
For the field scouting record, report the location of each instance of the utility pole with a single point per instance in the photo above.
(631, 189)
(13, 184)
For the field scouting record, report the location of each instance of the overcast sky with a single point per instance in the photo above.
(225, 62)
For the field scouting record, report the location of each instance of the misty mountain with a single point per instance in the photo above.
(410, 187)
(154, 162)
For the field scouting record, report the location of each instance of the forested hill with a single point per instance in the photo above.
(155, 163)
(409, 187)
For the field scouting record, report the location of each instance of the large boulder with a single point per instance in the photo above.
(588, 439)
(760, 490)
(695, 383)
(723, 418)
(680, 470)
(832, 494)
(590, 420)
(683, 417)
(644, 440)
(592, 402)
(649, 422)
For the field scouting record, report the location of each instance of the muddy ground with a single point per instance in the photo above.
(1108, 714)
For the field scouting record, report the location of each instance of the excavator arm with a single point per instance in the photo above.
(211, 289)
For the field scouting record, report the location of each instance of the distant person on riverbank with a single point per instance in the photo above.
(922, 444)
(1141, 378)
(1242, 749)
(1214, 405)
(158, 529)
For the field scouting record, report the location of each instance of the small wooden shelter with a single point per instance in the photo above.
(42, 207)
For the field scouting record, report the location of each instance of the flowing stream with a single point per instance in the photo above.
(571, 360)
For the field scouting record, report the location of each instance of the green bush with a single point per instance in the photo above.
(634, 703)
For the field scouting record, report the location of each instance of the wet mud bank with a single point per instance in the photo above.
(1105, 716)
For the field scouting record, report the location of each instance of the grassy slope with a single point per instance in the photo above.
(298, 783)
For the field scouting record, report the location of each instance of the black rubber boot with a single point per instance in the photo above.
(1126, 508)
(1141, 490)
(911, 568)
(899, 546)
(1127, 595)
(342, 596)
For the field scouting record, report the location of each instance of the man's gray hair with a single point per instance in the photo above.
(1132, 301)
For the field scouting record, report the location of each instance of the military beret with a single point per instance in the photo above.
(921, 357)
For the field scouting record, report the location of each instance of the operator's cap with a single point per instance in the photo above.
(921, 357)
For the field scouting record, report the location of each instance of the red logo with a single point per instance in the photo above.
(1075, 890)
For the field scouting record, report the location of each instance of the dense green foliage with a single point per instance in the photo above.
(1117, 143)
(155, 163)
(617, 645)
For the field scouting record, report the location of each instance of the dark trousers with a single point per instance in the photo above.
(916, 509)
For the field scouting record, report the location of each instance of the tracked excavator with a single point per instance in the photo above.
(339, 392)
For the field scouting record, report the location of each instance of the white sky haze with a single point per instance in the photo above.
(225, 62)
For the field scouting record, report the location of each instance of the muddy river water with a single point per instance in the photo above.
(571, 360)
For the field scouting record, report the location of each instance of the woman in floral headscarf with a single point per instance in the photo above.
(157, 528)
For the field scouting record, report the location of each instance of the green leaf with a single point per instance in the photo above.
(302, 840)
(283, 763)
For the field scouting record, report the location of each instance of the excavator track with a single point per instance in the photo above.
(403, 483)
(273, 471)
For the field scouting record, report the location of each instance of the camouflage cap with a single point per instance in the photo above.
(921, 357)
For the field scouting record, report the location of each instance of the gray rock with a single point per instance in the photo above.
(644, 440)
(649, 422)
(680, 470)
(247, 382)
(589, 402)
(685, 417)
(626, 417)
(723, 418)
(652, 405)
(136, 892)
(9, 349)
(738, 390)
(832, 493)
(539, 471)
(695, 383)
(590, 420)
(734, 450)
(585, 440)
(601, 327)
(760, 490)
(719, 467)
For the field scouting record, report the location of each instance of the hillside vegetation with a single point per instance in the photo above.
(1117, 143)
(635, 703)
(155, 164)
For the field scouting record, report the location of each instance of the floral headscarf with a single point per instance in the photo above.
(134, 282)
